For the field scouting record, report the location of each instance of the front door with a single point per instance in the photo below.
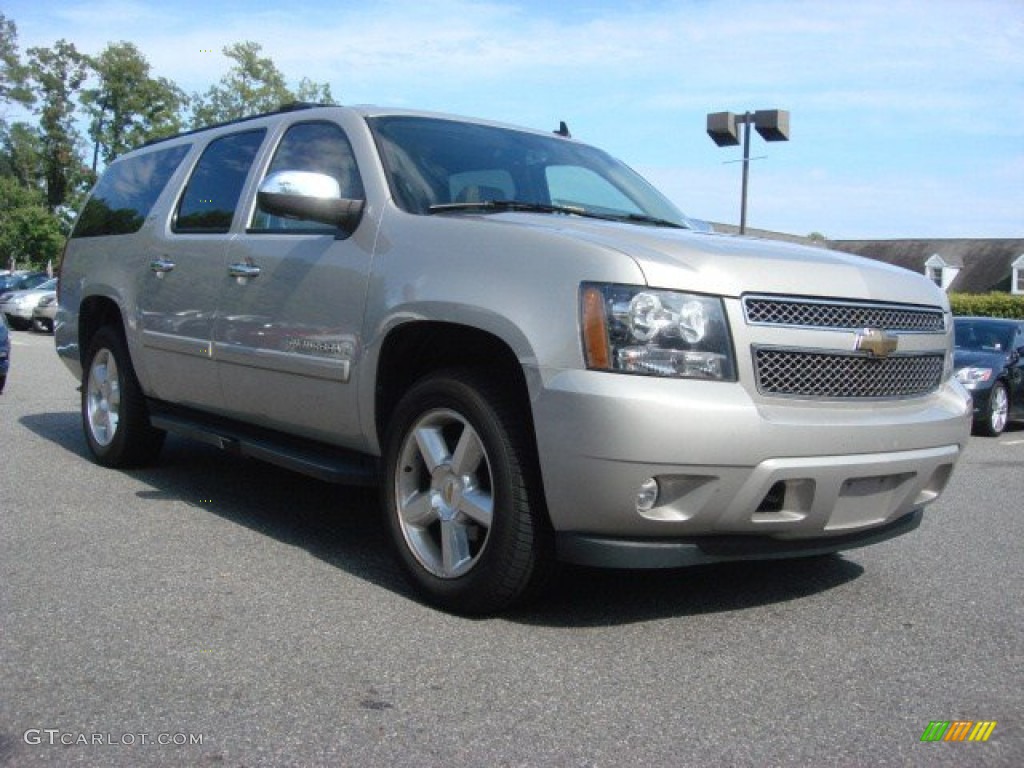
(289, 323)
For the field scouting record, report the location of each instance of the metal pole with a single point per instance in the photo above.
(748, 118)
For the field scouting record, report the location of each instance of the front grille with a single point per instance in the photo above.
(805, 313)
(840, 375)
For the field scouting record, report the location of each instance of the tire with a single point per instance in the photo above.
(114, 414)
(462, 495)
(997, 413)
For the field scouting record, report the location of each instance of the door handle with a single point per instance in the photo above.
(161, 266)
(244, 270)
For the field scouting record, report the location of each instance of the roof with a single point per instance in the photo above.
(984, 265)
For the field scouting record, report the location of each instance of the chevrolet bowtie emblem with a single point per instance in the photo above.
(876, 342)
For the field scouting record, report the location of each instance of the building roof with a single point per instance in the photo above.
(984, 265)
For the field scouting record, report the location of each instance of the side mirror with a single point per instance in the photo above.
(309, 196)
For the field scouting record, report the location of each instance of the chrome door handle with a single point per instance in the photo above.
(244, 270)
(161, 266)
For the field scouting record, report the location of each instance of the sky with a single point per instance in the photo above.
(907, 116)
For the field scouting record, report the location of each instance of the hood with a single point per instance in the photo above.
(728, 265)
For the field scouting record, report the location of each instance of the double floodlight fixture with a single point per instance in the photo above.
(772, 124)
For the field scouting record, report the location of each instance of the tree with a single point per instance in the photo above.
(129, 107)
(254, 84)
(57, 74)
(13, 74)
(29, 234)
(21, 155)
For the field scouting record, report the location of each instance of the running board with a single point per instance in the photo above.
(324, 462)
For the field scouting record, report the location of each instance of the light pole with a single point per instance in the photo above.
(772, 124)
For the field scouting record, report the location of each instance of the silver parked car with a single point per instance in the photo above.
(45, 312)
(518, 337)
(18, 305)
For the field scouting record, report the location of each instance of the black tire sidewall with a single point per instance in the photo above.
(135, 442)
(496, 579)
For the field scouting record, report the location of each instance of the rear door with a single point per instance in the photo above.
(289, 322)
(188, 269)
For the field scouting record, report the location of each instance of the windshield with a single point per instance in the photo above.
(435, 165)
(983, 336)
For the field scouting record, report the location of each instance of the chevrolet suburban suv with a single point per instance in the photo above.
(525, 344)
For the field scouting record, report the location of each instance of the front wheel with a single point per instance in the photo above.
(998, 413)
(114, 414)
(462, 494)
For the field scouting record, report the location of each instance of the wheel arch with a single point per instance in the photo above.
(412, 350)
(94, 313)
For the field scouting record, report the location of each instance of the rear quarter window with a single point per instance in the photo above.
(127, 192)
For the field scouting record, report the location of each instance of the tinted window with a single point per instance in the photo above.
(983, 335)
(320, 148)
(211, 196)
(127, 192)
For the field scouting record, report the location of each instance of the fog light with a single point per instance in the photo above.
(647, 496)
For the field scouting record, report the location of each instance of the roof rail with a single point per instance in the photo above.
(292, 106)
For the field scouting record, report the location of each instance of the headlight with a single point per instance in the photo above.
(972, 377)
(632, 329)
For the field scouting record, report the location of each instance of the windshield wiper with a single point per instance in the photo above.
(573, 210)
(643, 218)
(508, 205)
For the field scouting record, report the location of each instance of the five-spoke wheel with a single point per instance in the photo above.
(114, 414)
(462, 494)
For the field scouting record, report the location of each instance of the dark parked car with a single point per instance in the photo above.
(5, 352)
(989, 361)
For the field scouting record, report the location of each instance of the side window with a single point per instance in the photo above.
(127, 193)
(319, 147)
(210, 199)
(575, 185)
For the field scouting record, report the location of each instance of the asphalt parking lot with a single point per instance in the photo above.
(212, 611)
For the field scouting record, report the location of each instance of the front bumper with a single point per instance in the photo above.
(608, 552)
(17, 311)
(798, 476)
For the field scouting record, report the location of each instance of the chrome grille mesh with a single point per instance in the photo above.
(765, 310)
(839, 375)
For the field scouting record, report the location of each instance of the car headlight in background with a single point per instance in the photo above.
(971, 377)
(634, 329)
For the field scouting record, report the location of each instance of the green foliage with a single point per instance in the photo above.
(129, 107)
(43, 176)
(253, 85)
(29, 235)
(13, 74)
(987, 305)
(57, 74)
(21, 154)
